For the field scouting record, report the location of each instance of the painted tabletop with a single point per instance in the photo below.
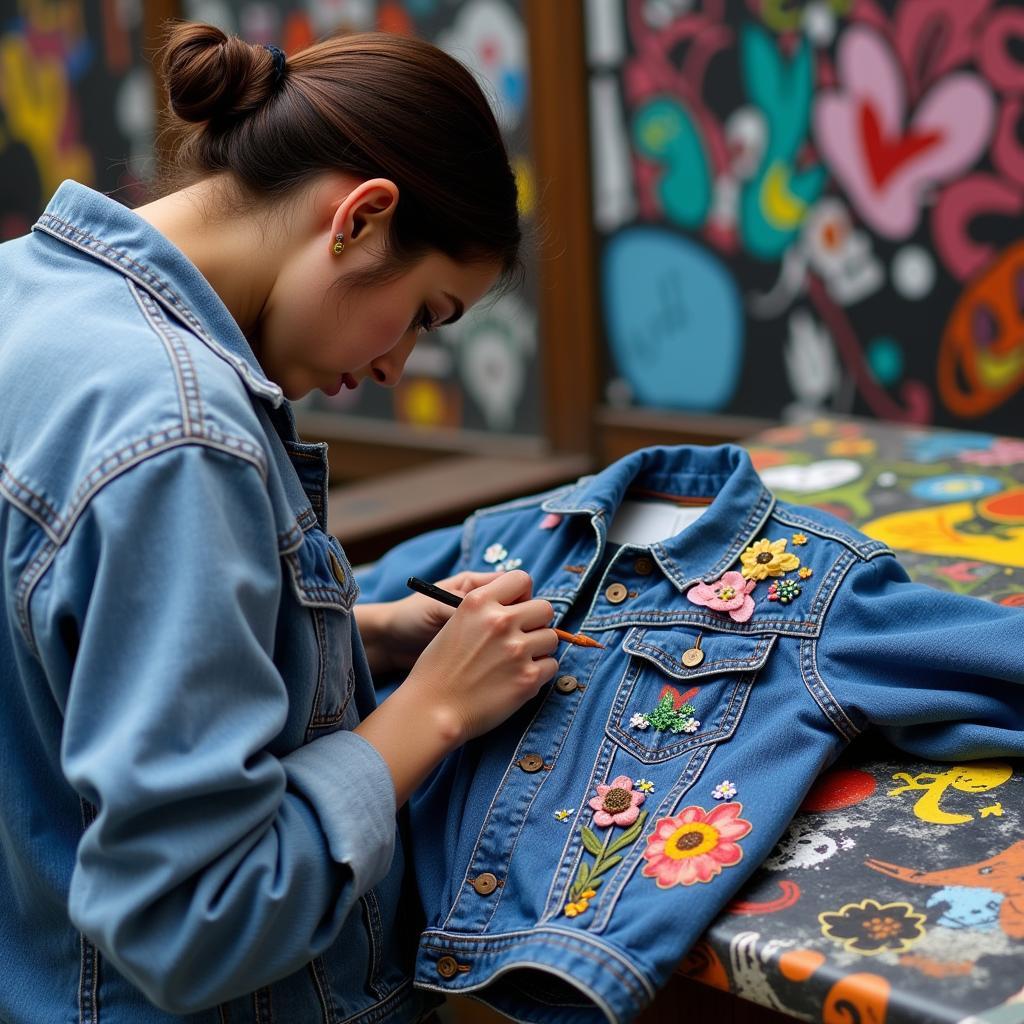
(897, 894)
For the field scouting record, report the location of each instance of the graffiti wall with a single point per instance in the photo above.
(481, 373)
(812, 205)
(76, 101)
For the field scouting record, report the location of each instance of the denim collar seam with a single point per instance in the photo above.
(866, 549)
(138, 272)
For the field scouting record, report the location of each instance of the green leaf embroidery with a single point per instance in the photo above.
(630, 836)
(591, 842)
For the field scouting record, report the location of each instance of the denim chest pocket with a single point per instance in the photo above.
(324, 586)
(671, 699)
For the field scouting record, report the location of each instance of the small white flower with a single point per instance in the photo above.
(495, 553)
(639, 721)
(692, 725)
(565, 813)
(644, 785)
(724, 791)
(511, 563)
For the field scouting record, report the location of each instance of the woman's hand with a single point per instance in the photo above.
(395, 633)
(492, 655)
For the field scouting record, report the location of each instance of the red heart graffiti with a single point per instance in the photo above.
(886, 155)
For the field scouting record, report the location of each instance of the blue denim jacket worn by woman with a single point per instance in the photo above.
(185, 815)
(569, 859)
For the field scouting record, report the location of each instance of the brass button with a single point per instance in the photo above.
(336, 567)
(566, 684)
(447, 967)
(485, 884)
(643, 566)
(531, 763)
(616, 593)
(693, 657)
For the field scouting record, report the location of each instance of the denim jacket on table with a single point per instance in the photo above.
(186, 817)
(568, 859)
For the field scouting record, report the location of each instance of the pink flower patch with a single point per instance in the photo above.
(618, 803)
(550, 521)
(729, 594)
(694, 845)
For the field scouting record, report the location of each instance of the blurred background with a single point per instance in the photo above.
(744, 212)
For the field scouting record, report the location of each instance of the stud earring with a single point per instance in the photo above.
(339, 245)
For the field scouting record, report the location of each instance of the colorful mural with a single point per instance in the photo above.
(75, 102)
(811, 206)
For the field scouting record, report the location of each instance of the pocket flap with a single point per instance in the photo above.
(722, 652)
(321, 573)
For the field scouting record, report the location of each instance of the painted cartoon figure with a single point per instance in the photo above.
(966, 907)
(1003, 874)
(978, 777)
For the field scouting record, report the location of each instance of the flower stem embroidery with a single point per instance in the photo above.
(615, 804)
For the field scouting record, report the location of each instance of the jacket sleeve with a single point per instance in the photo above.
(941, 675)
(432, 556)
(212, 867)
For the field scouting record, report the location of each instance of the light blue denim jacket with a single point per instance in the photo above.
(516, 829)
(186, 819)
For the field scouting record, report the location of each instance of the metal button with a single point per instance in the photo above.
(616, 593)
(566, 684)
(336, 567)
(643, 566)
(531, 762)
(485, 884)
(447, 967)
(693, 657)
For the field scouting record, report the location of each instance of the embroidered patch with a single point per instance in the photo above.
(644, 785)
(671, 714)
(615, 804)
(495, 553)
(805, 572)
(565, 813)
(694, 845)
(766, 558)
(508, 564)
(784, 591)
(729, 594)
(799, 538)
(550, 521)
(725, 790)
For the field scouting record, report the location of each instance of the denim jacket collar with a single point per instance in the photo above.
(730, 523)
(111, 233)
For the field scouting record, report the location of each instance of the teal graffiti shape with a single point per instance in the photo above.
(774, 203)
(664, 132)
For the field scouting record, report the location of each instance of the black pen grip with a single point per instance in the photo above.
(437, 593)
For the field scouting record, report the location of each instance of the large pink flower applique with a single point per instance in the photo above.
(729, 594)
(694, 845)
(618, 803)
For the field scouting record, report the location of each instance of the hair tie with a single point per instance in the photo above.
(279, 58)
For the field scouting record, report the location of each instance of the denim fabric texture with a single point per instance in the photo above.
(189, 829)
(546, 894)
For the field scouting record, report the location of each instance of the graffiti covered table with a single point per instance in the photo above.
(897, 894)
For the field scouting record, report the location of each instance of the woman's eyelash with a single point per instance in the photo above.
(425, 320)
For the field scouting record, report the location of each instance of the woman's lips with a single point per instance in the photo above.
(346, 380)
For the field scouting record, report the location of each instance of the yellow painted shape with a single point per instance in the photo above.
(35, 91)
(978, 777)
(933, 531)
(782, 209)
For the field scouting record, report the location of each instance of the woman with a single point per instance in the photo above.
(198, 792)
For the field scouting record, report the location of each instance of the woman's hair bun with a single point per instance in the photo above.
(214, 77)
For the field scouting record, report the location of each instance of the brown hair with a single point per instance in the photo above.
(371, 104)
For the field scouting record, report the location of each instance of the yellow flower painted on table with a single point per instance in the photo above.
(766, 558)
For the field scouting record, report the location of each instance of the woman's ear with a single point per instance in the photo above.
(367, 210)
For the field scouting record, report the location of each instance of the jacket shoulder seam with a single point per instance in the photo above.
(865, 550)
(90, 486)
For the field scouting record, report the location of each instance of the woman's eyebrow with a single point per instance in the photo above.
(459, 308)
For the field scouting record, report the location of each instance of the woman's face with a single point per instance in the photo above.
(318, 332)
